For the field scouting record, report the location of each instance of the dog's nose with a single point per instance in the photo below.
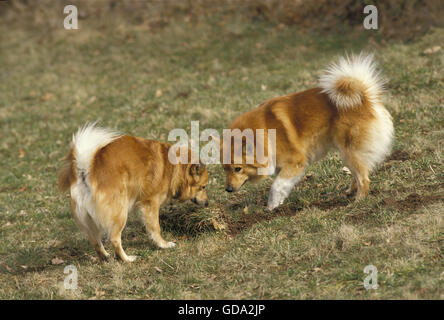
(206, 203)
(229, 189)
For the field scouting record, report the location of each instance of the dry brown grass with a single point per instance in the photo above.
(402, 19)
(315, 245)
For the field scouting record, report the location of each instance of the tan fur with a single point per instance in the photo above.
(66, 173)
(128, 172)
(308, 125)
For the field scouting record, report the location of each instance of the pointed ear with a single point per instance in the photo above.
(197, 169)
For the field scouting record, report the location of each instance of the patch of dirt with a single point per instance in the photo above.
(399, 155)
(413, 201)
(234, 227)
(182, 95)
(331, 203)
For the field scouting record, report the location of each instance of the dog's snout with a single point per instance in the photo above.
(200, 202)
(229, 189)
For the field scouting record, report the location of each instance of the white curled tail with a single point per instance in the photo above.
(352, 81)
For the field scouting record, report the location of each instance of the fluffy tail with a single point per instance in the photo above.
(86, 142)
(66, 173)
(352, 81)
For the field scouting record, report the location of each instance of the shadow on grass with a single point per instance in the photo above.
(406, 206)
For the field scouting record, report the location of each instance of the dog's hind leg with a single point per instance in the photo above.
(151, 217)
(118, 217)
(360, 174)
(89, 227)
(287, 178)
(95, 237)
(352, 188)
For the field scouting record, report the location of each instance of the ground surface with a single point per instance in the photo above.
(146, 83)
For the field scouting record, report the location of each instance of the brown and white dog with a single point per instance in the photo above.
(345, 113)
(108, 174)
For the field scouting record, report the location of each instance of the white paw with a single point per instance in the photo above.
(167, 245)
(272, 205)
(132, 258)
(170, 245)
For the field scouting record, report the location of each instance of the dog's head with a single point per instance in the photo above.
(194, 184)
(237, 174)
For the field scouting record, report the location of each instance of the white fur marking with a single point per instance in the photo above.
(280, 189)
(380, 138)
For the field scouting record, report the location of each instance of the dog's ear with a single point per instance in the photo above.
(197, 169)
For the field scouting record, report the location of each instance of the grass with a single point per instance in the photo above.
(147, 83)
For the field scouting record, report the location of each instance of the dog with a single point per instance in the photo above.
(345, 112)
(108, 174)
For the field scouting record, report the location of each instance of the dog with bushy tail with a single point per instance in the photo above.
(345, 112)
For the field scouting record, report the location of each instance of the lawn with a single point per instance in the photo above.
(147, 82)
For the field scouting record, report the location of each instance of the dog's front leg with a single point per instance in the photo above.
(151, 216)
(280, 189)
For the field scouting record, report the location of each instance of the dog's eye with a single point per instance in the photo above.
(203, 187)
(237, 169)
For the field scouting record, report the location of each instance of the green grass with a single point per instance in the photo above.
(315, 246)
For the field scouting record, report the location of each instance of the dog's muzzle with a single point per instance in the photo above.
(200, 204)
